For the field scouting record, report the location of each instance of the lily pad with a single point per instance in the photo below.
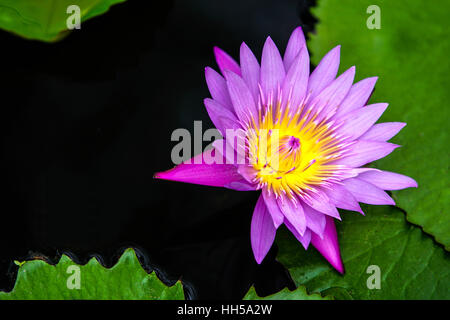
(46, 20)
(127, 280)
(409, 263)
(409, 53)
(286, 294)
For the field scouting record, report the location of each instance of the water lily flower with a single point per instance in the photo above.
(325, 134)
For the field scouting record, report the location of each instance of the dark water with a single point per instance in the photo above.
(86, 122)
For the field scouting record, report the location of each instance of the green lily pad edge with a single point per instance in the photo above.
(67, 280)
(46, 20)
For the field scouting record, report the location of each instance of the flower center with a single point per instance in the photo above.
(291, 154)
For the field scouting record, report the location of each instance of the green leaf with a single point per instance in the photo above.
(410, 55)
(127, 280)
(411, 264)
(285, 294)
(46, 20)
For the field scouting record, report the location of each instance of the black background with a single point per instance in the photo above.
(87, 121)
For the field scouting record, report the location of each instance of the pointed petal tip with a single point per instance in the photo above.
(244, 45)
(298, 29)
(225, 61)
(160, 175)
(340, 268)
(329, 246)
(269, 42)
(163, 175)
(259, 259)
(336, 50)
(336, 263)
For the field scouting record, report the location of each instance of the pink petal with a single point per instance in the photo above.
(262, 231)
(293, 212)
(226, 62)
(248, 172)
(358, 96)
(272, 68)
(304, 239)
(272, 206)
(242, 99)
(367, 193)
(218, 88)
(296, 81)
(229, 123)
(363, 152)
(295, 44)
(359, 121)
(315, 220)
(216, 111)
(250, 70)
(324, 73)
(329, 246)
(388, 180)
(241, 185)
(196, 171)
(327, 101)
(343, 199)
(322, 204)
(383, 131)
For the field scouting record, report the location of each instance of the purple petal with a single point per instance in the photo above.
(383, 131)
(358, 96)
(272, 68)
(216, 111)
(262, 231)
(248, 172)
(218, 88)
(296, 81)
(241, 185)
(220, 145)
(197, 172)
(293, 212)
(343, 199)
(322, 204)
(304, 239)
(229, 123)
(367, 193)
(242, 99)
(232, 147)
(272, 206)
(363, 152)
(315, 220)
(250, 70)
(226, 62)
(388, 180)
(327, 101)
(359, 121)
(329, 246)
(295, 44)
(324, 73)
